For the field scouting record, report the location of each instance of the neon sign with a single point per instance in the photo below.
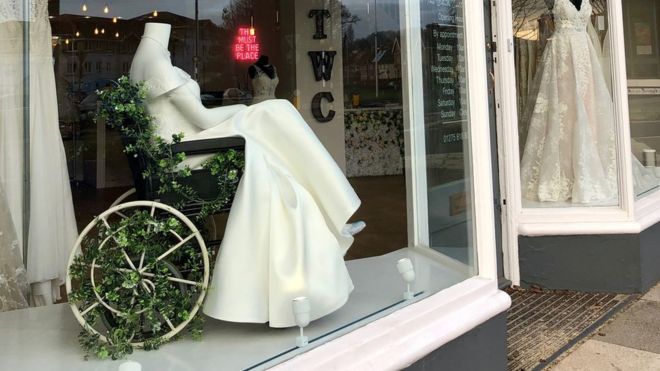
(246, 47)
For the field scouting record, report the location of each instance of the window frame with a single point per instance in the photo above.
(630, 216)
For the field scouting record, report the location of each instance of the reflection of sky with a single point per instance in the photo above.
(387, 11)
(208, 9)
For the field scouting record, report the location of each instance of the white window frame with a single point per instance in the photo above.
(631, 216)
(405, 336)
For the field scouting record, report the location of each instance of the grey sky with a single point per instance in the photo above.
(208, 9)
(211, 9)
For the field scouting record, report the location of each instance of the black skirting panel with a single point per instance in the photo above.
(623, 263)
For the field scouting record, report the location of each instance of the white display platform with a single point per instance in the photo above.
(45, 338)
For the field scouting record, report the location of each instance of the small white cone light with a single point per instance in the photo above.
(407, 271)
(130, 366)
(301, 310)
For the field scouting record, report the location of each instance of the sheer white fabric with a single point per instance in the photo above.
(13, 278)
(53, 229)
(263, 86)
(570, 153)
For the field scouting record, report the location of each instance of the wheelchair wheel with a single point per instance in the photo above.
(123, 197)
(141, 266)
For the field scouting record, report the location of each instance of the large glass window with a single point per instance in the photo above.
(268, 71)
(567, 127)
(447, 131)
(642, 63)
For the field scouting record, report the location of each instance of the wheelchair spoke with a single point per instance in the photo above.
(173, 279)
(128, 259)
(171, 250)
(83, 313)
(141, 260)
(167, 320)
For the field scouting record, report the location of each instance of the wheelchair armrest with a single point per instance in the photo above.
(208, 146)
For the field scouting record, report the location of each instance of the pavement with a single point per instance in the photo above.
(630, 341)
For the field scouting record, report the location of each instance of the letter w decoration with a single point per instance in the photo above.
(322, 64)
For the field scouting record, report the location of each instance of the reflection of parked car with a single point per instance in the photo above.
(212, 98)
(236, 96)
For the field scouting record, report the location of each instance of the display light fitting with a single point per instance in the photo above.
(96, 31)
(103, 31)
(117, 34)
(84, 7)
(77, 33)
(114, 19)
(106, 9)
(155, 13)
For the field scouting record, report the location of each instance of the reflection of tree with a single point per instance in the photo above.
(525, 11)
(237, 13)
(347, 21)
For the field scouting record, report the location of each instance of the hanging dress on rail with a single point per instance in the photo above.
(52, 225)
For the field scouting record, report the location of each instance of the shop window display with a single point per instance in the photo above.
(641, 34)
(317, 84)
(566, 117)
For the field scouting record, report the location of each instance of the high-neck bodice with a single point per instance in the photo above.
(568, 18)
(263, 86)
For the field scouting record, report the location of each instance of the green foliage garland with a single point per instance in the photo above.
(144, 311)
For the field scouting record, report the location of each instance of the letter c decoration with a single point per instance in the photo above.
(316, 107)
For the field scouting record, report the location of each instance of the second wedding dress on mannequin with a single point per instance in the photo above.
(570, 153)
(284, 235)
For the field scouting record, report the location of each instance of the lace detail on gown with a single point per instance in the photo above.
(13, 10)
(570, 153)
(264, 87)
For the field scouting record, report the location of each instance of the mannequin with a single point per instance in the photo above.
(551, 3)
(264, 79)
(287, 224)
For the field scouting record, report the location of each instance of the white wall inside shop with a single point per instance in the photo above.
(330, 133)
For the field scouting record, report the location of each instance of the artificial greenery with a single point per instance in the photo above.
(146, 303)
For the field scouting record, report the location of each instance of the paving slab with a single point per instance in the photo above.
(600, 356)
(638, 327)
(653, 294)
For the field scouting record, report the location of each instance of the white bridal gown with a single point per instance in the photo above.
(284, 234)
(53, 230)
(570, 153)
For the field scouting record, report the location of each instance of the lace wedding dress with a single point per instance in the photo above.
(570, 153)
(52, 229)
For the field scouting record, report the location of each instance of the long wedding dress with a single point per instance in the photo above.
(285, 235)
(52, 228)
(570, 153)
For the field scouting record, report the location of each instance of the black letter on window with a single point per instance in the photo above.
(319, 16)
(316, 107)
(322, 64)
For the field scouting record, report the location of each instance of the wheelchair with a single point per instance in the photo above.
(146, 261)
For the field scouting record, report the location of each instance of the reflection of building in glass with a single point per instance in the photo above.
(90, 52)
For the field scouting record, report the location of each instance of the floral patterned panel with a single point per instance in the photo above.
(374, 142)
